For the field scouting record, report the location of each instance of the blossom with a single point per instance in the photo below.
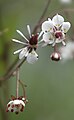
(67, 52)
(54, 31)
(16, 105)
(30, 46)
(55, 56)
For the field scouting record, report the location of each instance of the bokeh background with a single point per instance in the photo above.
(50, 85)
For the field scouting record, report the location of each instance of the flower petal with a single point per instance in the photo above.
(11, 102)
(14, 40)
(23, 53)
(47, 26)
(32, 57)
(22, 35)
(18, 51)
(29, 30)
(65, 26)
(16, 102)
(48, 38)
(57, 20)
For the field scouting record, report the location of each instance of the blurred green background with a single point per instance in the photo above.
(50, 85)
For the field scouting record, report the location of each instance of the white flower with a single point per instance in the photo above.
(30, 46)
(54, 30)
(67, 52)
(16, 105)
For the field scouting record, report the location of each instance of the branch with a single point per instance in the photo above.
(12, 70)
(18, 63)
(42, 16)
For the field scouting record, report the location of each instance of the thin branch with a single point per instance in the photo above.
(18, 63)
(10, 73)
(42, 16)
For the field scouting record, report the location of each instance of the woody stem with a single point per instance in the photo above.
(17, 82)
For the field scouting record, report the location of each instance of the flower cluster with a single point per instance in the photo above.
(54, 32)
(16, 105)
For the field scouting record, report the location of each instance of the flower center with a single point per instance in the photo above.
(58, 34)
(33, 40)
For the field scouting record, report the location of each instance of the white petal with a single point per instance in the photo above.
(14, 40)
(21, 102)
(29, 30)
(32, 57)
(23, 53)
(16, 102)
(11, 102)
(18, 51)
(47, 26)
(57, 20)
(22, 35)
(65, 26)
(48, 38)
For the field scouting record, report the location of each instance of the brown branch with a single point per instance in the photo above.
(42, 16)
(10, 73)
(18, 63)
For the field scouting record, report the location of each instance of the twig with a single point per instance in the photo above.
(10, 73)
(13, 68)
(42, 16)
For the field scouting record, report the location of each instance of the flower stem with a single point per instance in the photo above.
(17, 82)
(23, 87)
(55, 48)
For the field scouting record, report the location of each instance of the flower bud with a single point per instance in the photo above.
(55, 56)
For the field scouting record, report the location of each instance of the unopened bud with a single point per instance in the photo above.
(55, 56)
